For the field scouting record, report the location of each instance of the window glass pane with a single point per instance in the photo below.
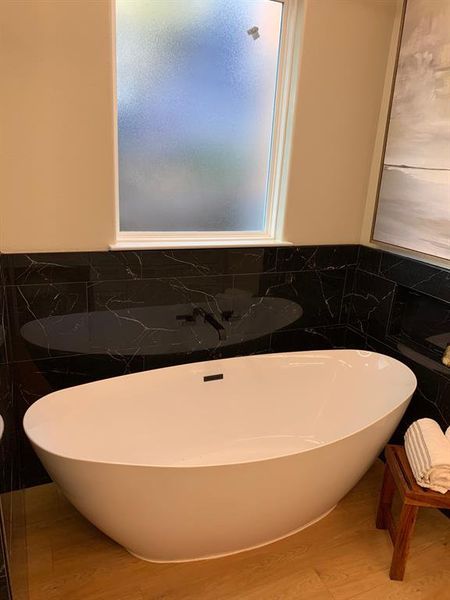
(196, 96)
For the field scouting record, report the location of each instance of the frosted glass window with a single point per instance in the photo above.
(196, 83)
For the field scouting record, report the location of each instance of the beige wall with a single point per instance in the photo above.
(345, 51)
(56, 153)
(56, 138)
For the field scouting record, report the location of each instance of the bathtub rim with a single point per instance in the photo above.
(405, 401)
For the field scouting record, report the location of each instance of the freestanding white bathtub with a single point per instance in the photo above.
(207, 459)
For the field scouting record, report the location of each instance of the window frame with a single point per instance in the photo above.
(283, 117)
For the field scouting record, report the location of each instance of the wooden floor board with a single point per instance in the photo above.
(343, 557)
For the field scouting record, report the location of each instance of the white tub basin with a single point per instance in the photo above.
(175, 468)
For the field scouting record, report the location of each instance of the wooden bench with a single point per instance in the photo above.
(399, 477)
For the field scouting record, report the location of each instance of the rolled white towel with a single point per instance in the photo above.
(428, 452)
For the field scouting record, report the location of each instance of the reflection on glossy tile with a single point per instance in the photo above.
(34, 312)
(317, 293)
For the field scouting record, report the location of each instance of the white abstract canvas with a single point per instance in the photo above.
(414, 196)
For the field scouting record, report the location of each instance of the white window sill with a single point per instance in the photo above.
(185, 244)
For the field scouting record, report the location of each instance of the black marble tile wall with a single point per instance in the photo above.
(79, 317)
(401, 307)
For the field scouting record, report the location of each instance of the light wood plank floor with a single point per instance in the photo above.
(342, 557)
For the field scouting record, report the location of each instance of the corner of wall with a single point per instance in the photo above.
(379, 139)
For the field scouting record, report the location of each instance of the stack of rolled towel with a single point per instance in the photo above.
(428, 452)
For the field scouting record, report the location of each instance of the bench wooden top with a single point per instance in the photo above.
(410, 491)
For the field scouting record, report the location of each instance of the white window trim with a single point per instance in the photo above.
(288, 67)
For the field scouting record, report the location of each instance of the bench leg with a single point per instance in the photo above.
(405, 528)
(386, 496)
